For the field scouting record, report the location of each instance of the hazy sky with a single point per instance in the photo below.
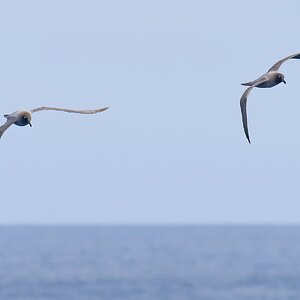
(171, 148)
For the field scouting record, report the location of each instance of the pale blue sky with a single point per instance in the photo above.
(171, 148)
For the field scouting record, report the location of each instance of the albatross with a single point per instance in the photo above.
(23, 117)
(268, 80)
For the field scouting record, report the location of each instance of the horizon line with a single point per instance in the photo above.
(150, 224)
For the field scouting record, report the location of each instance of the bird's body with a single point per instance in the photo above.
(268, 80)
(23, 117)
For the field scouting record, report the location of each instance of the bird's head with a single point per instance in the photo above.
(280, 78)
(24, 118)
(27, 118)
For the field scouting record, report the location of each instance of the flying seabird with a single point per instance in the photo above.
(268, 80)
(23, 117)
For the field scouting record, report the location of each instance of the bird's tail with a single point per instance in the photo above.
(247, 83)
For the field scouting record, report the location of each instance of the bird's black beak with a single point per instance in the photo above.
(284, 81)
(30, 124)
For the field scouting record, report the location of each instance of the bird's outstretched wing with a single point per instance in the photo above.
(6, 125)
(243, 104)
(277, 65)
(77, 111)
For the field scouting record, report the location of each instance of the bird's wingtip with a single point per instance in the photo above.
(248, 138)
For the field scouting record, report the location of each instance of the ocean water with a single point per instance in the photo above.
(150, 262)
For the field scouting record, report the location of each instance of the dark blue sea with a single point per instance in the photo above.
(149, 262)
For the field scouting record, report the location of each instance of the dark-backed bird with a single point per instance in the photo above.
(23, 117)
(268, 80)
